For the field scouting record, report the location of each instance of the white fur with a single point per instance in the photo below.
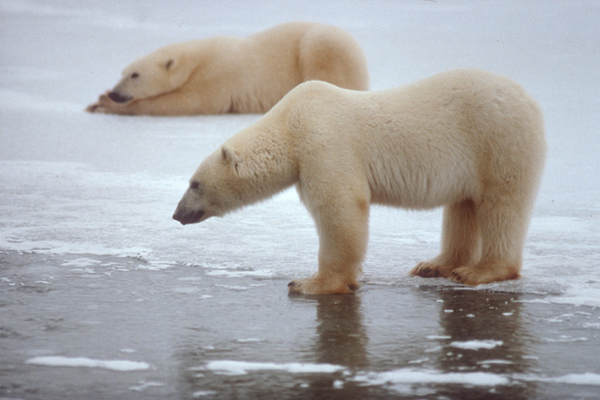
(227, 74)
(468, 140)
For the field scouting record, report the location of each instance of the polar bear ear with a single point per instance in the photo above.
(230, 156)
(170, 64)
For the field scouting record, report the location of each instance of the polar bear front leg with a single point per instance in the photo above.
(343, 226)
(103, 105)
(161, 105)
(107, 106)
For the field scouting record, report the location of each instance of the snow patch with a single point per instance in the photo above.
(495, 362)
(588, 379)
(234, 287)
(578, 296)
(477, 344)
(202, 393)
(80, 262)
(56, 247)
(263, 273)
(114, 365)
(566, 339)
(186, 290)
(411, 376)
(144, 385)
(242, 367)
(438, 337)
(583, 379)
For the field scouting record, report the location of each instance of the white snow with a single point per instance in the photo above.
(249, 340)
(412, 376)
(438, 337)
(495, 362)
(263, 273)
(114, 365)
(477, 344)
(145, 385)
(81, 262)
(234, 287)
(402, 376)
(584, 379)
(226, 367)
(202, 393)
(578, 296)
(588, 378)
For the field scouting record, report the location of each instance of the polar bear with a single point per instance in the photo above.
(230, 75)
(469, 140)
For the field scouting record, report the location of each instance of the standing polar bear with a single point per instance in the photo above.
(468, 140)
(230, 75)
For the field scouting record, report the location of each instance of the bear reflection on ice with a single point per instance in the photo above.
(468, 140)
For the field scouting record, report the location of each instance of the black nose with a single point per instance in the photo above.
(188, 218)
(180, 218)
(118, 97)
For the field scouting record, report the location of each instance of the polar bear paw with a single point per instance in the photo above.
(317, 286)
(428, 269)
(103, 105)
(480, 274)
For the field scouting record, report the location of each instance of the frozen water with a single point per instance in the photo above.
(91, 263)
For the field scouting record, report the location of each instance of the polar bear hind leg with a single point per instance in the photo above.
(480, 243)
(503, 222)
(461, 242)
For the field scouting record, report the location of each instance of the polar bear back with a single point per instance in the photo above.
(276, 60)
(252, 74)
(434, 142)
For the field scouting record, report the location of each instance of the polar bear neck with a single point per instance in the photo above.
(265, 167)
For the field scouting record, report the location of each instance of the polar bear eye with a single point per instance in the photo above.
(135, 75)
(194, 185)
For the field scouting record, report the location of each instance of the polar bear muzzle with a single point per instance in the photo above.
(188, 217)
(118, 97)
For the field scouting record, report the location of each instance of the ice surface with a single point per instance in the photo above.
(548, 48)
(91, 261)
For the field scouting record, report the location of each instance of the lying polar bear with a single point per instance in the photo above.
(468, 140)
(230, 75)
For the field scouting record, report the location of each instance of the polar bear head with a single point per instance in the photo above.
(157, 73)
(253, 165)
(215, 188)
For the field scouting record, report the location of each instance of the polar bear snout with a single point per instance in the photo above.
(118, 97)
(192, 208)
(188, 218)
